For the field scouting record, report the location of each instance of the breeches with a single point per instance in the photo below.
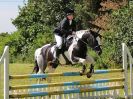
(59, 41)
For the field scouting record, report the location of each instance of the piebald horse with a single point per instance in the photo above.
(76, 52)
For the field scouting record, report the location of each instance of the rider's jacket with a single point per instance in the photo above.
(65, 28)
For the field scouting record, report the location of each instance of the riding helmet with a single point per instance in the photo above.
(69, 11)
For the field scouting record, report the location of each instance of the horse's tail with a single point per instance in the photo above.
(36, 67)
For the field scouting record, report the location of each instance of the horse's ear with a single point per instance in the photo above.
(100, 35)
(95, 34)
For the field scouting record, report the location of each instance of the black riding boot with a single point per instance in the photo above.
(58, 52)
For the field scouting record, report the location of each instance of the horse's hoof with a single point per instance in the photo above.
(89, 75)
(81, 73)
(43, 78)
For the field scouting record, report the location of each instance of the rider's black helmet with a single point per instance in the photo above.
(69, 11)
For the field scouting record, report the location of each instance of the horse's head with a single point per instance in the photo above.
(91, 38)
(96, 45)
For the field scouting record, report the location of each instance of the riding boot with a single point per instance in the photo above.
(58, 52)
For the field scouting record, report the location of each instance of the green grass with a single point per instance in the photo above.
(20, 69)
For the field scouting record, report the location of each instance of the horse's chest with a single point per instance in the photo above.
(80, 51)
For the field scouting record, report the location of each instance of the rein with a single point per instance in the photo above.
(85, 42)
(81, 40)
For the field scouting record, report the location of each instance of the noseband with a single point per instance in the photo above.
(97, 47)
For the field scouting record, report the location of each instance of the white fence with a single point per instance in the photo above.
(5, 59)
(127, 61)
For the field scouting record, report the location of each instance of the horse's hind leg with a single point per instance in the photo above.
(40, 64)
(51, 69)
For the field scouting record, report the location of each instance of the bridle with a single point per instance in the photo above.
(85, 42)
(97, 46)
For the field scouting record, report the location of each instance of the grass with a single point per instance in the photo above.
(20, 69)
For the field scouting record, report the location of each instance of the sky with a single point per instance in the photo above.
(9, 10)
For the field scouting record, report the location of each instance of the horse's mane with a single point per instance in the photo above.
(81, 32)
(87, 34)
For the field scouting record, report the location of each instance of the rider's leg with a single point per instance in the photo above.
(59, 40)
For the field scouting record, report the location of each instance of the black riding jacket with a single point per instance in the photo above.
(64, 28)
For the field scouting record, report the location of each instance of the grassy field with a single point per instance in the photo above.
(20, 69)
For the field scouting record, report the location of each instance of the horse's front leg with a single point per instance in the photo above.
(91, 71)
(89, 59)
(83, 63)
(83, 69)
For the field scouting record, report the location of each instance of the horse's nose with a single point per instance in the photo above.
(99, 52)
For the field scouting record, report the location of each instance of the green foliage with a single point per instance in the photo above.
(21, 52)
(84, 14)
(4, 39)
(123, 28)
(121, 31)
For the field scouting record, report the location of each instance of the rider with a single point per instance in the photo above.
(65, 28)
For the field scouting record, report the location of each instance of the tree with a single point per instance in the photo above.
(121, 31)
(4, 39)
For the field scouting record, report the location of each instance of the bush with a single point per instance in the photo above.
(121, 31)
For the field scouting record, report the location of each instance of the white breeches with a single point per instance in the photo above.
(59, 41)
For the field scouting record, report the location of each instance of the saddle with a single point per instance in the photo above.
(67, 42)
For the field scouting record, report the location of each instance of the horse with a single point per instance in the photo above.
(75, 53)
